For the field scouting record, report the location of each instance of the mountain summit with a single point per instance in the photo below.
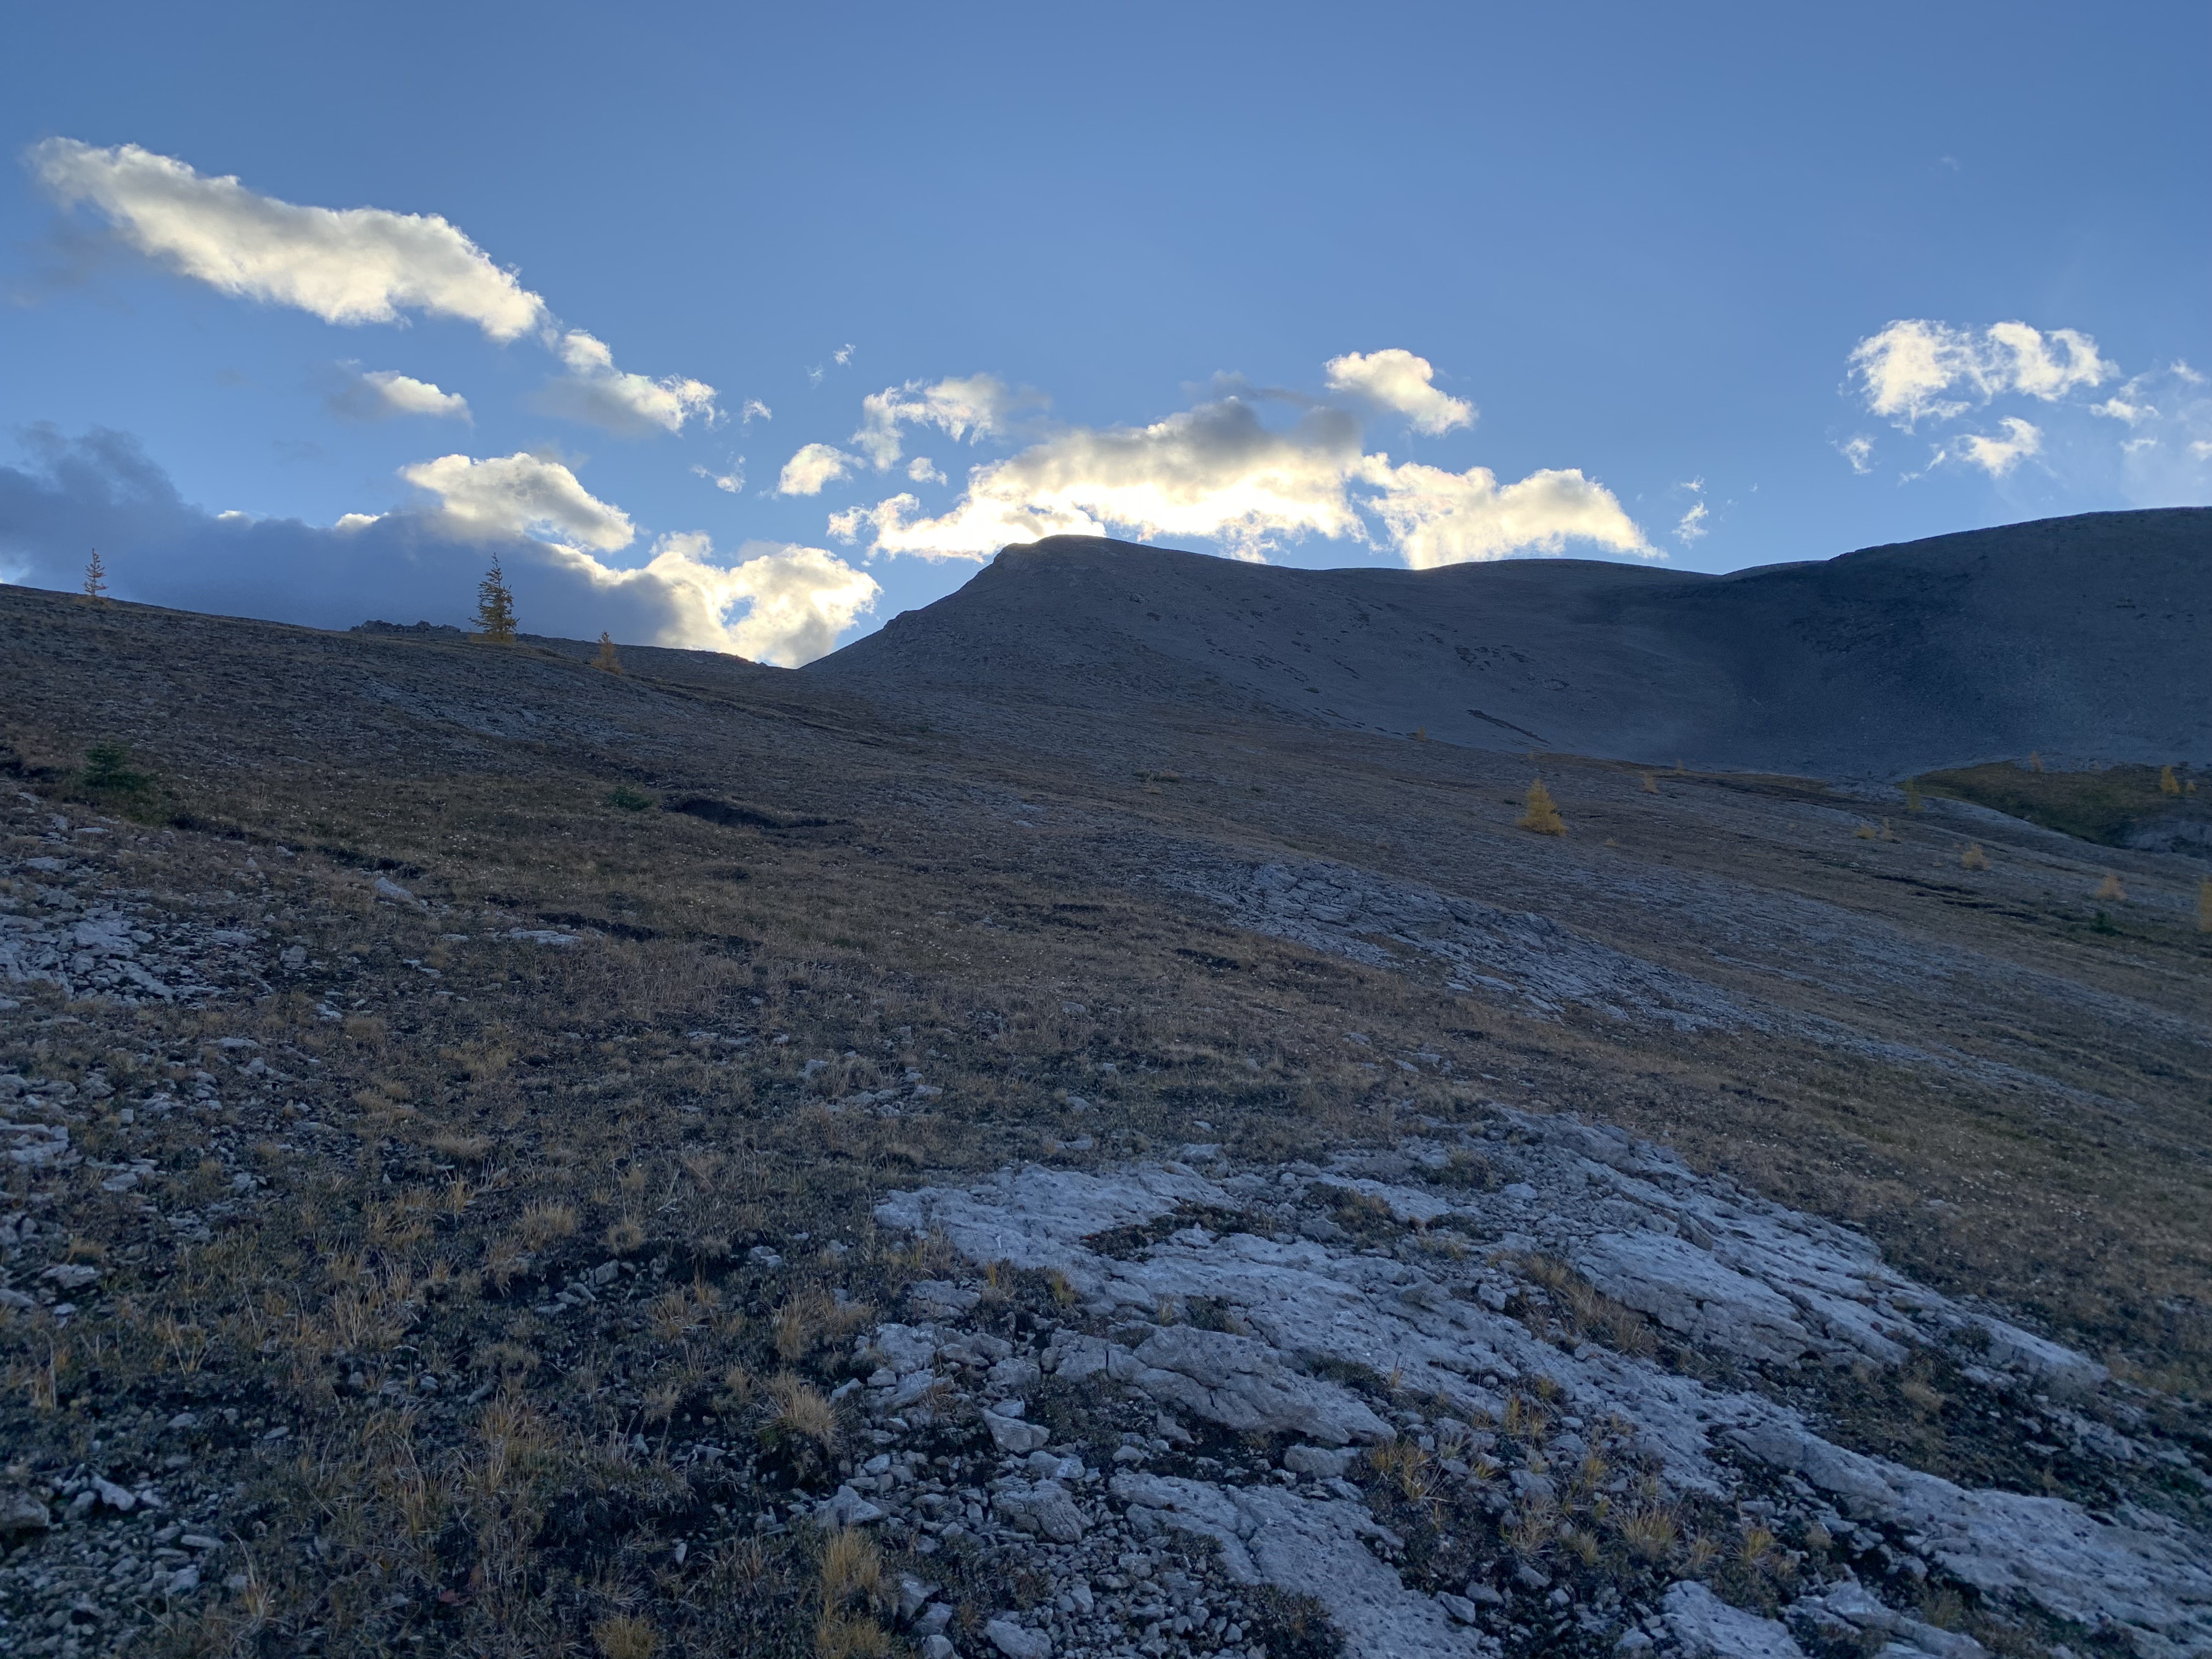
(2080, 637)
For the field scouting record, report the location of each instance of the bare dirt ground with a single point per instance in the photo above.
(507, 1159)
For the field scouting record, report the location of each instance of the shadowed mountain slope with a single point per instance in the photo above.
(2080, 637)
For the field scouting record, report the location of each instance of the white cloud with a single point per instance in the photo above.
(732, 481)
(1915, 370)
(513, 495)
(813, 466)
(844, 354)
(1858, 450)
(922, 470)
(349, 265)
(1998, 456)
(1215, 472)
(382, 392)
(1398, 381)
(594, 390)
(784, 604)
(978, 406)
(2118, 408)
(1437, 517)
(771, 602)
(754, 409)
(1692, 526)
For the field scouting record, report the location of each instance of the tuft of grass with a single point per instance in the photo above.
(2111, 889)
(543, 1223)
(624, 798)
(1974, 858)
(626, 1636)
(800, 1417)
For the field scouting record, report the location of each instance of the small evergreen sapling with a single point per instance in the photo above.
(2167, 783)
(2204, 906)
(1974, 858)
(607, 662)
(96, 580)
(1542, 814)
(2110, 888)
(494, 617)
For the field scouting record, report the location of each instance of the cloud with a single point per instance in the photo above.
(1211, 472)
(1216, 472)
(732, 481)
(798, 599)
(922, 470)
(844, 354)
(595, 390)
(1998, 456)
(775, 603)
(514, 496)
(1437, 517)
(349, 265)
(1917, 370)
(813, 466)
(978, 406)
(754, 409)
(1858, 450)
(1398, 381)
(1692, 525)
(380, 394)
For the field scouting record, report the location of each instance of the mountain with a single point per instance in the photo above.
(2083, 638)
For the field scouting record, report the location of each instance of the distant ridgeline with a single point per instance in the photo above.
(2084, 638)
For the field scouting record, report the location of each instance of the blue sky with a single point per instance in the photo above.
(1716, 285)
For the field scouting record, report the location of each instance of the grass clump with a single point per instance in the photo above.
(623, 798)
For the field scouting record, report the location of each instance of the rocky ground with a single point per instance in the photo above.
(501, 1160)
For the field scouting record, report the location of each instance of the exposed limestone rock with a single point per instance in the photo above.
(1313, 1548)
(1731, 1274)
(1709, 1628)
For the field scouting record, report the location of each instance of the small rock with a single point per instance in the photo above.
(1458, 1606)
(935, 1646)
(1009, 1433)
(1015, 1643)
(1317, 1463)
(21, 1516)
(913, 1595)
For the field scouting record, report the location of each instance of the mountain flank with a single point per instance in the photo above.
(2081, 638)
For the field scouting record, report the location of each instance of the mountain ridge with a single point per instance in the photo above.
(1883, 661)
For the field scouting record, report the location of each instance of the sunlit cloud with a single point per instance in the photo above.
(979, 406)
(773, 602)
(1396, 380)
(812, 467)
(1917, 370)
(348, 266)
(593, 390)
(1217, 473)
(382, 393)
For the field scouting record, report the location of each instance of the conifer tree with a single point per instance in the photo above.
(2167, 783)
(2204, 906)
(96, 580)
(607, 662)
(494, 617)
(1974, 858)
(1543, 813)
